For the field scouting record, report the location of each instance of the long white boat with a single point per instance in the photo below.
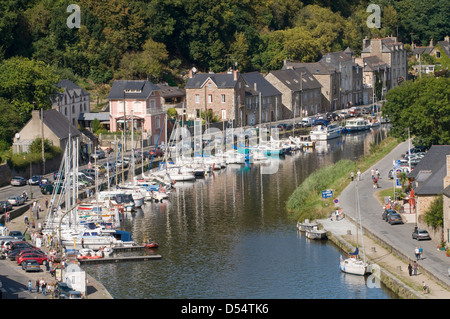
(357, 124)
(322, 132)
(353, 264)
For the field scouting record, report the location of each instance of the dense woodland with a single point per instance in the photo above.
(161, 39)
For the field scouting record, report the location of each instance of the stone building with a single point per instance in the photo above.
(301, 92)
(374, 71)
(393, 53)
(328, 77)
(351, 88)
(428, 181)
(223, 94)
(263, 102)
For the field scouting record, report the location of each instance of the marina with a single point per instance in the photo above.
(227, 235)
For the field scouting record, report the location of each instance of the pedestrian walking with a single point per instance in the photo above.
(44, 288)
(29, 286)
(416, 252)
(377, 173)
(352, 176)
(46, 203)
(37, 285)
(415, 268)
(7, 217)
(358, 174)
(373, 173)
(410, 269)
(420, 252)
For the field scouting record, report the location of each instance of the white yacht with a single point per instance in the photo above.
(322, 132)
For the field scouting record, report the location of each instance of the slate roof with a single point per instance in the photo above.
(262, 85)
(291, 78)
(71, 88)
(222, 80)
(335, 57)
(373, 63)
(101, 116)
(422, 50)
(431, 170)
(313, 68)
(59, 124)
(445, 45)
(171, 91)
(134, 89)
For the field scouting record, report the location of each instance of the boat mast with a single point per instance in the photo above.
(360, 223)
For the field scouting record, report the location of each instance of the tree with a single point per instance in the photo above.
(27, 84)
(423, 106)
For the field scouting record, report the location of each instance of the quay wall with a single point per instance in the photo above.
(389, 280)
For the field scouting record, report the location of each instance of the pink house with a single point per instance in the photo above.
(144, 98)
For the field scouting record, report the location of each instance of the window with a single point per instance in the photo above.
(152, 104)
(197, 98)
(209, 86)
(222, 98)
(157, 122)
(210, 98)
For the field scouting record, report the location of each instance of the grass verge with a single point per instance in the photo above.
(306, 201)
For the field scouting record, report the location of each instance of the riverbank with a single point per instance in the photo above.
(393, 269)
(306, 201)
(388, 246)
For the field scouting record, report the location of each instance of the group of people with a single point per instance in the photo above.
(375, 176)
(39, 284)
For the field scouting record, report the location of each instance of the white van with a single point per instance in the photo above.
(307, 121)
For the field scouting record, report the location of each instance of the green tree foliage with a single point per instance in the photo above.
(423, 106)
(434, 216)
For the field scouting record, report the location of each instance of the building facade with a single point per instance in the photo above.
(301, 92)
(391, 52)
(144, 99)
(222, 95)
(71, 101)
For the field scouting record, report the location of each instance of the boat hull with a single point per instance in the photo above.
(353, 266)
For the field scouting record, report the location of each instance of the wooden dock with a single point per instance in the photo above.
(119, 259)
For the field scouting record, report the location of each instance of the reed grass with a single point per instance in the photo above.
(306, 201)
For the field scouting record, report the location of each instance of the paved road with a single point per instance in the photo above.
(399, 236)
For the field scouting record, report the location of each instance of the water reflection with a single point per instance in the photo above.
(229, 236)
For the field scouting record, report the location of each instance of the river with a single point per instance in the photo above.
(229, 236)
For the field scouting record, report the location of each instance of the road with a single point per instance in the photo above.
(399, 236)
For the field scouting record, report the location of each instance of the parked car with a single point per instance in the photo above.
(98, 154)
(18, 181)
(386, 213)
(35, 180)
(420, 234)
(37, 256)
(16, 200)
(63, 291)
(354, 111)
(34, 250)
(13, 253)
(394, 218)
(404, 169)
(31, 265)
(47, 189)
(5, 206)
(44, 181)
(17, 234)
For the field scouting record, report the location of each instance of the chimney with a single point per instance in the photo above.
(366, 42)
(447, 177)
(190, 73)
(255, 87)
(36, 115)
(431, 43)
(447, 39)
(235, 74)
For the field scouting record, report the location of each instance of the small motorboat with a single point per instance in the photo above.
(151, 245)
